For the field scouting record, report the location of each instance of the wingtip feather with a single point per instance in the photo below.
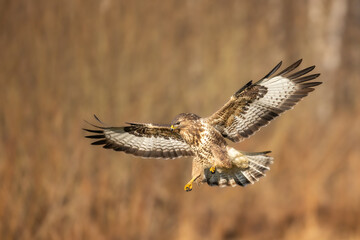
(273, 70)
(290, 68)
(100, 142)
(301, 73)
(92, 130)
(243, 88)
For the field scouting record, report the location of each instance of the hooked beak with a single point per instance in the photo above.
(172, 127)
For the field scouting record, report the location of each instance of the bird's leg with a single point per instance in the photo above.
(224, 164)
(221, 159)
(188, 186)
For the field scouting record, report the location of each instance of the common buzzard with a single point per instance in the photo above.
(214, 162)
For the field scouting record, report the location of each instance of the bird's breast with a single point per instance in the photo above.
(193, 135)
(202, 139)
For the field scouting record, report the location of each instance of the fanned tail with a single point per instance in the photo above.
(247, 168)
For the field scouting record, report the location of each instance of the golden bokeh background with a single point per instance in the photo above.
(146, 61)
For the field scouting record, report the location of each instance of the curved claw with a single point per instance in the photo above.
(188, 187)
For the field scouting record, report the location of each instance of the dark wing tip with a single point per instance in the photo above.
(310, 84)
(298, 62)
(133, 124)
(99, 132)
(100, 142)
(273, 70)
(306, 78)
(96, 126)
(301, 73)
(96, 117)
(243, 88)
(95, 136)
(318, 83)
(92, 130)
(290, 68)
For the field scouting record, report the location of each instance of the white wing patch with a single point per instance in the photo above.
(263, 101)
(279, 89)
(142, 144)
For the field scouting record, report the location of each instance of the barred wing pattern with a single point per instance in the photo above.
(255, 105)
(141, 139)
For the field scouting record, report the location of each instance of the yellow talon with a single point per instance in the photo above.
(213, 169)
(188, 187)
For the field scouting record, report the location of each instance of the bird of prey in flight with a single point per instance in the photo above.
(204, 139)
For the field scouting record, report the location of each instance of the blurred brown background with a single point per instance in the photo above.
(146, 61)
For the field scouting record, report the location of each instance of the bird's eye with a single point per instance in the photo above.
(177, 123)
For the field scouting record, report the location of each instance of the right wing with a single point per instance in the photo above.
(142, 139)
(256, 104)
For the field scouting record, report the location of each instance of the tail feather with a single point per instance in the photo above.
(256, 164)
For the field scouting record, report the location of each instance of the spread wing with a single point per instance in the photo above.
(141, 139)
(255, 105)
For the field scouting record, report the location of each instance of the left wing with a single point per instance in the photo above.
(142, 139)
(255, 105)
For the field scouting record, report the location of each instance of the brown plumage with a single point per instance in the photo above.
(250, 108)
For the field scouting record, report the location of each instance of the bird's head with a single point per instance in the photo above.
(182, 120)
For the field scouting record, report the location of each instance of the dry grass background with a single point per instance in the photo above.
(62, 61)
